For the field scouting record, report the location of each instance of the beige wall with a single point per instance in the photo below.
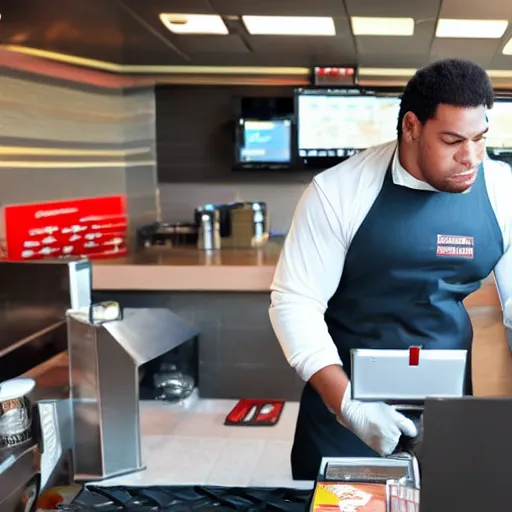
(178, 200)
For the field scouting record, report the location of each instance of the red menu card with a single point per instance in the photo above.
(91, 227)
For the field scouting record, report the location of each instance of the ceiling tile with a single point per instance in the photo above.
(342, 25)
(66, 27)
(158, 56)
(393, 61)
(207, 44)
(490, 9)
(481, 51)
(418, 10)
(154, 7)
(135, 35)
(271, 59)
(419, 44)
(280, 7)
(312, 45)
(501, 61)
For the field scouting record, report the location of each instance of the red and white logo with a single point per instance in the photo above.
(456, 246)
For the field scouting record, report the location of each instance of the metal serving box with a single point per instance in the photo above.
(407, 376)
(369, 469)
(357, 483)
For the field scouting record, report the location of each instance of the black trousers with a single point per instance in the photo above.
(318, 434)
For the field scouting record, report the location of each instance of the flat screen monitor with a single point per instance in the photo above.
(338, 123)
(499, 136)
(264, 143)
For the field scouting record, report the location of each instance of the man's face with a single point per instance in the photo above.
(451, 147)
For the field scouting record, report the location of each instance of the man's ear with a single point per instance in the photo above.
(410, 127)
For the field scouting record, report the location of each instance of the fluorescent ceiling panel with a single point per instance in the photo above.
(194, 23)
(366, 26)
(474, 29)
(507, 50)
(290, 25)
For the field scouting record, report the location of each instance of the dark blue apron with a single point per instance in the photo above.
(414, 259)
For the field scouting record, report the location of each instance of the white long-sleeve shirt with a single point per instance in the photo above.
(326, 219)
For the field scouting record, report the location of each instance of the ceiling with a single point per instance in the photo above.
(129, 33)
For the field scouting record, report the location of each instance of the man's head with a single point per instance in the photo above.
(442, 123)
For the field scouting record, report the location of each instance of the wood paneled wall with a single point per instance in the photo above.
(62, 140)
(492, 358)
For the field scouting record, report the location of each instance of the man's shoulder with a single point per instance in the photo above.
(498, 181)
(365, 166)
(496, 166)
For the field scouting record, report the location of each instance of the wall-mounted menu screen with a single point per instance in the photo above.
(499, 136)
(264, 143)
(336, 123)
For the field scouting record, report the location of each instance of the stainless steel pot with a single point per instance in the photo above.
(16, 412)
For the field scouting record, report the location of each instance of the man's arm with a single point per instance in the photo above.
(307, 275)
(502, 203)
(503, 277)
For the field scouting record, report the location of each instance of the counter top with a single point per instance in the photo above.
(225, 270)
(189, 269)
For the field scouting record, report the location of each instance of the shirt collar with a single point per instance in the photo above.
(403, 178)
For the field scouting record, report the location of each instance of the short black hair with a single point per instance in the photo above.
(455, 82)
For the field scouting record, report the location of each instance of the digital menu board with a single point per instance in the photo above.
(499, 135)
(334, 123)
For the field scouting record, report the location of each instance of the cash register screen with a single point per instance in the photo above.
(263, 143)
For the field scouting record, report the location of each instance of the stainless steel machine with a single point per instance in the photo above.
(36, 445)
(35, 433)
(405, 379)
(106, 348)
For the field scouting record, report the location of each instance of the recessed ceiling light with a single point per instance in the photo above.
(507, 50)
(366, 26)
(474, 29)
(290, 25)
(194, 23)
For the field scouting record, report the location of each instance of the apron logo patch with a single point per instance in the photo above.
(457, 246)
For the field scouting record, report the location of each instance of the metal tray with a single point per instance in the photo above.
(387, 375)
(369, 469)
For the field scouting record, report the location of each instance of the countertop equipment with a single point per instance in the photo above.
(37, 446)
(364, 483)
(405, 379)
(105, 396)
(179, 234)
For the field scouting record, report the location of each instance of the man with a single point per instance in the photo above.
(381, 252)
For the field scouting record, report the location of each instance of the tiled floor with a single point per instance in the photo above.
(189, 444)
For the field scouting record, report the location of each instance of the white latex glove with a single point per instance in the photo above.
(377, 424)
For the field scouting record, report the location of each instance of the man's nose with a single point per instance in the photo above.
(469, 155)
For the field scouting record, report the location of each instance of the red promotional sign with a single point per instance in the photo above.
(92, 227)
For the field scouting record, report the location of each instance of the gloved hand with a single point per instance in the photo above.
(377, 424)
